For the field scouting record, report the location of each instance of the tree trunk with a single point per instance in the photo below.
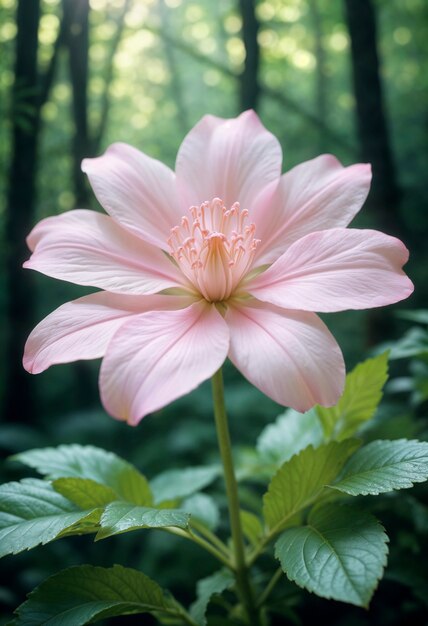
(76, 26)
(20, 210)
(76, 18)
(249, 79)
(374, 139)
(375, 147)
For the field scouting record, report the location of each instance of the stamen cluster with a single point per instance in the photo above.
(214, 248)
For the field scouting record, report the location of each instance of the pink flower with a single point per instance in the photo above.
(224, 258)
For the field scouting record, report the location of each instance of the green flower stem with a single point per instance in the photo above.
(240, 567)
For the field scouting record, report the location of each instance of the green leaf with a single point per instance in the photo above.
(251, 527)
(84, 492)
(340, 554)
(203, 508)
(290, 433)
(178, 484)
(120, 517)
(90, 463)
(32, 513)
(206, 589)
(419, 316)
(383, 466)
(301, 480)
(84, 594)
(360, 399)
(414, 344)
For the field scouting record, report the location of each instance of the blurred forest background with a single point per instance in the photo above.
(342, 76)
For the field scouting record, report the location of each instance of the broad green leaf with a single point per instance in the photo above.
(251, 527)
(206, 589)
(84, 594)
(178, 484)
(360, 399)
(290, 433)
(383, 466)
(340, 554)
(299, 481)
(90, 463)
(32, 513)
(120, 517)
(84, 492)
(203, 508)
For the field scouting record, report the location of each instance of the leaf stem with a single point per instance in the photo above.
(240, 566)
(269, 587)
(187, 534)
(212, 537)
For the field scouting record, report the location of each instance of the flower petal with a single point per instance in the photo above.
(289, 355)
(335, 270)
(315, 195)
(83, 328)
(234, 159)
(160, 356)
(136, 190)
(88, 248)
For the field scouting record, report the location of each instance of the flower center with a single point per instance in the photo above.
(214, 248)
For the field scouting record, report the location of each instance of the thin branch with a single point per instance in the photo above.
(271, 93)
(105, 100)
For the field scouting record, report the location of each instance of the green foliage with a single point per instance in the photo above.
(203, 508)
(251, 527)
(206, 589)
(360, 399)
(84, 594)
(120, 517)
(383, 466)
(290, 433)
(414, 344)
(177, 484)
(300, 481)
(91, 463)
(84, 492)
(339, 554)
(32, 513)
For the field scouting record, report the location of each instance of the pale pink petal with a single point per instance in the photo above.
(335, 270)
(235, 160)
(82, 329)
(88, 248)
(160, 356)
(138, 191)
(289, 355)
(315, 195)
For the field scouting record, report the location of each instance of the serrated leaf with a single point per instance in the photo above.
(251, 527)
(178, 484)
(32, 513)
(288, 435)
(340, 554)
(383, 466)
(120, 517)
(84, 594)
(301, 480)
(206, 589)
(90, 463)
(360, 399)
(84, 492)
(203, 508)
